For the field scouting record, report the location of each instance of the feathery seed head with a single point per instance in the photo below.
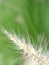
(33, 56)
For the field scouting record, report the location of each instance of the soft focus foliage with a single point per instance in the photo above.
(26, 18)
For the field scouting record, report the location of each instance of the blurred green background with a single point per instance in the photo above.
(25, 17)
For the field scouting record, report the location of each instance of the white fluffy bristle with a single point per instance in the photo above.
(33, 57)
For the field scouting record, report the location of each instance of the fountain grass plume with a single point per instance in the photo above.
(32, 55)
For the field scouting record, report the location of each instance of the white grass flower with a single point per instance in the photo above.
(32, 56)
